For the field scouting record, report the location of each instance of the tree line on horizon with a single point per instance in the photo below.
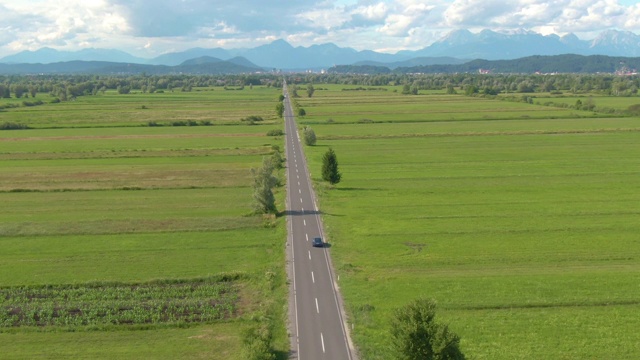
(566, 64)
(489, 84)
(68, 87)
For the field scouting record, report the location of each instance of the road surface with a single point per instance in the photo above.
(318, 329)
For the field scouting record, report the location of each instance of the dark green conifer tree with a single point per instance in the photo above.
(330, 171)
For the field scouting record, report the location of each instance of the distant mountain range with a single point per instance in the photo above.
(455, 48)
(201, 65)
(490, 45)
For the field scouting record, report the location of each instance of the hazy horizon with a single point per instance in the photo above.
(147, 29)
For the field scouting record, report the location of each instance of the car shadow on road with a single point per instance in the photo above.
(299, 212)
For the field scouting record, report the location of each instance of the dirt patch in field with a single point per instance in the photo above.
(137, 178)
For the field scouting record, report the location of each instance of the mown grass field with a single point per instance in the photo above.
(621, 103)
(523, 226)
(111, 109)
(391, 106)
(121, 240)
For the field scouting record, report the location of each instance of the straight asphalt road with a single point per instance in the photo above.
(318, 328)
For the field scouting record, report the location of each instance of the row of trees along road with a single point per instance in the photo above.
(264, 180)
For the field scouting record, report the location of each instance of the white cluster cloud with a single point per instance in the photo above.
(564, 16)
(406, 15)
(150, 27)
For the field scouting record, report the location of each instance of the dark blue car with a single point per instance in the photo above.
(317, 242)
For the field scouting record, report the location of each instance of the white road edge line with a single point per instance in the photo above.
(322, 340)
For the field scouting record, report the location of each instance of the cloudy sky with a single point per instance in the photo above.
(148, 28)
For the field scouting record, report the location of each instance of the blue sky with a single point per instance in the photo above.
(148, 28)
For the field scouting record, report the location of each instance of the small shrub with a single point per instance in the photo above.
(252, 119)
(256, 342)
(275, 132)
(416, 334)
(13, 126)
(634, 109)
(32, 103)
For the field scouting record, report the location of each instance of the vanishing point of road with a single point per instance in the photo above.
(318, 327)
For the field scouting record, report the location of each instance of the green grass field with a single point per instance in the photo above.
(338, 106)
(522, 226)
(621, 103)
(520, 220)
(97, 202)
(137, 109)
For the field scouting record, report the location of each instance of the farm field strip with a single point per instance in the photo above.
(115, 110)
(115, 304)
(518, 228)
(77, 258)
(351, 107)
(477, 128)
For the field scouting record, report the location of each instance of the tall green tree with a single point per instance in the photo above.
(417, 336)
(330, 171)
(280, 109)
(294, 91)
(310, 90)
(263, 183)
